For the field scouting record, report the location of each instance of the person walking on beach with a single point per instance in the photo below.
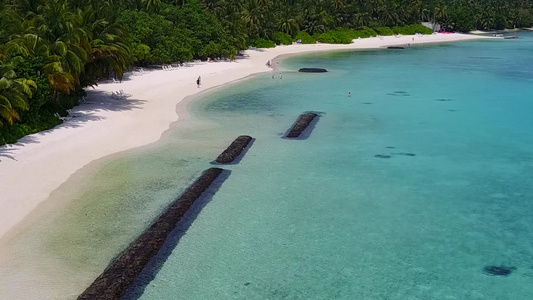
(198, 81)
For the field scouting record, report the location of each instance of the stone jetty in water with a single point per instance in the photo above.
(121, 273)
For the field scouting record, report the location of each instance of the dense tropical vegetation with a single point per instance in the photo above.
(51, 49)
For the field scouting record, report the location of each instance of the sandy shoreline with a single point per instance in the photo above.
(102, 125)
(503, 31)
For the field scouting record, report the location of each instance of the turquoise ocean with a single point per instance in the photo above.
(408, 189)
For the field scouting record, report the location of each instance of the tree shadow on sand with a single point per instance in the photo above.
(97, 101)
(8, 151)
(86, 111)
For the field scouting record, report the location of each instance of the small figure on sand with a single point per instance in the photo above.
(198, 81)
(268, 63)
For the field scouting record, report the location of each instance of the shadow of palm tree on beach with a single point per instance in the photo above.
(85, 112)
(100, 100)
(4, 153)
(8, 151)
(97, 101)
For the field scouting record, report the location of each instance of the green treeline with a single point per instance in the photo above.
(51, 49)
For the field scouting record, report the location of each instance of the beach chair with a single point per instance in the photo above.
(117, 95)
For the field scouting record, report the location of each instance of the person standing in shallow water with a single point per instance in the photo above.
(198, 81)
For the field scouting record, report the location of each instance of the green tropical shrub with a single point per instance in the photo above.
(282, 38)
(305, 37)
(337, 36)
(345, 35)
(263, 43)
(365, 32)
(384, 31)
(412, 29)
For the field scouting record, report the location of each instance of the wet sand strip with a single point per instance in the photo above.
(120, 274)
(234, 150)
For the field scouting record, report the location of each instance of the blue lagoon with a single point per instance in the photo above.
(408, 189)
(412, 188)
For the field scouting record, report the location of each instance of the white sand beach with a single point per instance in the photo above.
(500, 31)
(103, 125)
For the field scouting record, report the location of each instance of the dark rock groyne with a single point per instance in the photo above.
(395, 47)
(312, 70)
(234, 150)
(301, 125)
(119, 275)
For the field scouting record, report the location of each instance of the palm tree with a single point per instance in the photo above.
(316, 21)
(56, 35)
(28, 8)
(10, 23)
(29, 45)
(107, 51)
(424, 15)
(288, 22)
(254, 16)
(151, 5)
(441, 14)
(374, 8)
(362, 19)
(234, 6)
(212, 4)
(485, 19)
(14, 94)
(390, 17)
(339, 11)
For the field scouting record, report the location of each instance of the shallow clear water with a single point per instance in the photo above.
(405, 190)
(448, 193)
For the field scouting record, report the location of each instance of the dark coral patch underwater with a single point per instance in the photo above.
(404, 154)
(498, 271)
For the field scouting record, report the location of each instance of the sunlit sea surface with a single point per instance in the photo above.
(408, 189)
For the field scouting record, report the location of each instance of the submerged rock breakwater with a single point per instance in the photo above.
(301, 125)
(312, 70)
(234, 150)
(120, 274)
